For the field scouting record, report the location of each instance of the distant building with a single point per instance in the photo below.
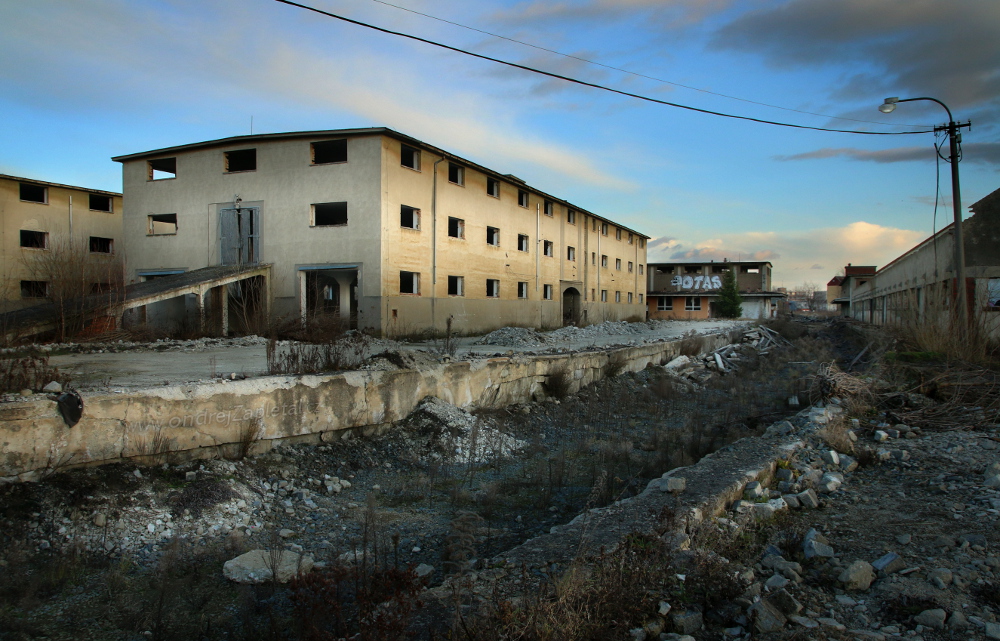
(380, 229)
(854, 277)
(58, 241)
(691, 289)
(834, 289)
(920, 285)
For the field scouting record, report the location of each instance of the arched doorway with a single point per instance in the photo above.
(571, 306)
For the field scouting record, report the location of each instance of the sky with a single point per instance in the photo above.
(85, 80)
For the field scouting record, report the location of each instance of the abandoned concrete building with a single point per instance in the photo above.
(691, 290)
(58, 241)
(379, 228)
(920, 285)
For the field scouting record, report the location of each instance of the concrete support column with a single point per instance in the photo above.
(220, 308)
(200, 300)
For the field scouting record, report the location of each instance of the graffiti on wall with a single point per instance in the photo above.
(697, 282)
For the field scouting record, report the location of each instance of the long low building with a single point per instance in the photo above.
(920, 285)
(379, 229)
(691, 289)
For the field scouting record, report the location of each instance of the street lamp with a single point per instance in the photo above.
(954, 139)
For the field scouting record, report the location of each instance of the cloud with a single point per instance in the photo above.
(667, 13)
(816, 266)
(944, 48)
(981, 153)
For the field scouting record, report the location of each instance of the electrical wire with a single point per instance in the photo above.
(626, 71)
(594, 85)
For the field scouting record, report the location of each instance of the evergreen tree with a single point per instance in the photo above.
(730, 302)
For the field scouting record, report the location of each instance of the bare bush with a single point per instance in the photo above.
(31, 371)
(559, 382)
(342, 353)
(691, 344)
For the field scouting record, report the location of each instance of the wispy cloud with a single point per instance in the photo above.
(983, 153)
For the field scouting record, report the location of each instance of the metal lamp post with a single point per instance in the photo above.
(954, 138)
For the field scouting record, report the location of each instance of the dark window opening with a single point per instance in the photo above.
(548, 246)
(522, 242)
(493, 187)
(409, 217)
(522, 289)
(522, 198)
(547, 292)
(692, 303)
(666, 269)
(571, 253)
(571, 217)
(34, 193)
(456, 227)
(493, 236)
(34, 239)
(34, 289)
(329, 151)
(549, 208)
(409, 157)
(241, 160)
(456, 174)
(162, 224)
(692, 269)
(409, 283)
(492, 288)
(100, 203)
(162, 168)
(456, 286)
(100, 245)
(329, 214)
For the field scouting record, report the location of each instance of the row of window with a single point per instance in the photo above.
(39, 194)
(40, 288)
(40, 240)
(324, 152)
(666, 304)
(409, 283)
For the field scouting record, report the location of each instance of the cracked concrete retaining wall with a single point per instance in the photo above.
(196, 420)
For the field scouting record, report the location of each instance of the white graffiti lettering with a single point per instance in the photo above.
(696, 282)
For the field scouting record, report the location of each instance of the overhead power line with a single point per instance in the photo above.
(591, 84)
(619, 69)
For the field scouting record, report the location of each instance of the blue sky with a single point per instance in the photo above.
(83, 80)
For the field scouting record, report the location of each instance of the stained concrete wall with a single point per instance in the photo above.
(191, 421)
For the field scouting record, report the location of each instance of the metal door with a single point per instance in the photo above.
(239, 234)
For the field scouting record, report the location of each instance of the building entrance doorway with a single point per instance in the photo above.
(331, 293)
(571, 306)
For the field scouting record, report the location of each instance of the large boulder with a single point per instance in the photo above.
(260, 566)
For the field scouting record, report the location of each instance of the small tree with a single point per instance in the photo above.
(730, 301)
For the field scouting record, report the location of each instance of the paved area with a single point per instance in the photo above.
(190, 361)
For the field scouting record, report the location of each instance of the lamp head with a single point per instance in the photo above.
(888, 106)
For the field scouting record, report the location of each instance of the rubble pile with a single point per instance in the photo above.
(454, 434)
(513, 337)
(698, 370)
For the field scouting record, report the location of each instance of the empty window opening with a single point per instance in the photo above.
(640, 269)
(640, 299)
(571, 217)
(604, 229)
(618, 264)
(604, 260)
(718, 269)
(593, 224)
(456, 286)
(241, 160)
(100, 203)
(409, 217)
(493, 187)
(692, 303)
(547, 292)
(34, 289)
(409, 282)
(456, 174)
(493, 236)
(665, 269)
(630, 298)
(100, 245)
(618, 233)
(162, 224)
(327, 152)
(604, 295)
(630, 239)
(409, 157)
(492, 288)
(664, 304)
(34, 239)
(34, 193)
(571, 253)
(456, 227)
(549, 208)
(618, 297)
(522, 242)
(548, 245)
(522, 289)
(329, 214)
(692, 269)
(522, 198)
(630, 267)
(642, 243)
(593, 260)
(162, 169)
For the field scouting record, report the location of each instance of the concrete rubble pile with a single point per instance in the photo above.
(698, 370)
(454, 434)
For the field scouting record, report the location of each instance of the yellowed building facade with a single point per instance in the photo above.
(58, 240)
(382, 228)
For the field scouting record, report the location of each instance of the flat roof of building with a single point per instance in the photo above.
(713, 262)
(33, 181)
(365, 131)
